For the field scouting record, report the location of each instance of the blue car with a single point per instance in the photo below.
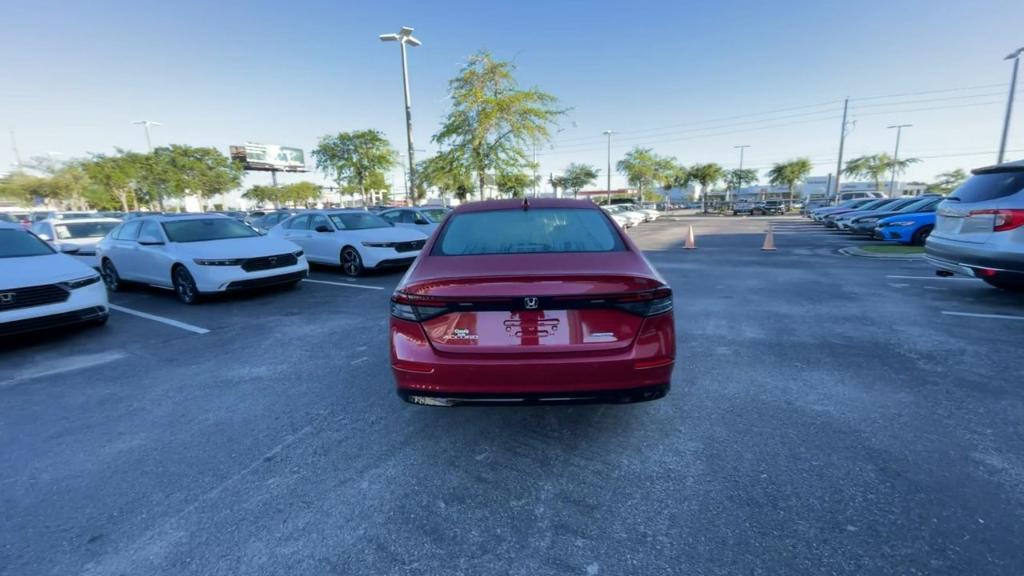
(906, 228)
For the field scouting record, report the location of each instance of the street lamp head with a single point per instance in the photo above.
(405, 31)
(1015, 54)
(388, 37)
(900, 126)
(607, 132)
(147, 123)
(412, 41)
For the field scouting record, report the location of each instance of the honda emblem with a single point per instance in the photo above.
(7, 298)
(530, 302)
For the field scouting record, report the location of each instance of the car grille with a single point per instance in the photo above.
(269, 262)
(266, 281)
(409, 246)
(32, 296)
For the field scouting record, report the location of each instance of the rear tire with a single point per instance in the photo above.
(921, 235)
(1004, 283)
(184, 285)
(351, 261)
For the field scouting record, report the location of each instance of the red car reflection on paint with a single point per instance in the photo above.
(538, 302)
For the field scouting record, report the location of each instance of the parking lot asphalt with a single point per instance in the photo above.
(830, 415)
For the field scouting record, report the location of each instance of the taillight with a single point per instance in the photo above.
(1003, 220)
(415, 308)
(649, 303)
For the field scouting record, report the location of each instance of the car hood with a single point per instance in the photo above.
(252, 247)
(38, 270)
(389, 234)
(88, 243)
(914, 216)
(877, 214)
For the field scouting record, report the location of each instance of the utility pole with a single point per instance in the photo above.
(534, 169)
(896, 155)
(609, 133)
(404, 37)
(842, 142)
(1015, 56)
(149, 149)
(741, 147)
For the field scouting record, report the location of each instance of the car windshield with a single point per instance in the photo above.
(19, 244)
(205, 229)
(358, 221)
(918, 205)
(435, 214)
(541, 230)
(75, 230)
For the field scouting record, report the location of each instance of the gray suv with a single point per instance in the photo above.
(979, 229)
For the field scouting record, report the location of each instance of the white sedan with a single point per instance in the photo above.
(42, 288)
(77, 237)
(356, 240)
(197, 253)
(426, 219)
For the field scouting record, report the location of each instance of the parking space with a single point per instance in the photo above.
(830, 414)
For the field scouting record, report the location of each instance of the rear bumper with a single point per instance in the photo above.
(958, 256)
(625, 396)
(636, 371)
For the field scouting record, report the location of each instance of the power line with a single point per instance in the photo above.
(961, 89)
(933, 108)
(964, 97)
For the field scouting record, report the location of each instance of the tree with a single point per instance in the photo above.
(515, 184)
(492, 122)
(448, 173)
(20, 187)
(898, 167)
(643, 168)
(948, 181)
(788, 174)
(558, 183)
(739, 177)
(872, 167)
(195, 170)
(355, 159)
(578, 177)
(115, 177)
(707, 175)
(261, 194)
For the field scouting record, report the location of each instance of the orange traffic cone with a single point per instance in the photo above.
(769, 240)
(691, 244)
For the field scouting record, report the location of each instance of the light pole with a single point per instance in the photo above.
(1015, 56)
(404, 37)
(146, 124)
(896, 155)
(741, 147)
(609, 133)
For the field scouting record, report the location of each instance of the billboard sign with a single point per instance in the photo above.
(269, 157)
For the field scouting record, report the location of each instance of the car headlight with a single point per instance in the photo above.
(904, 223)
(298, 253)
(219, 262)
(379, 244)
(80, 282)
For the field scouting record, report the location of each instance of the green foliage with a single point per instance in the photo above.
(643, 168)
(558, 183)
(948, 181)
(492, 122)
(297, 194)
(578, 177)
(356, 160)
(790, 173)
(446, 172)
(198, 171)
(674, 175)
(515, 184)
(875, 167)
(21, 187)
(739, 177)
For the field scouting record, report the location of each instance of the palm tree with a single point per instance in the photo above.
(707, 175)
(738, 178)
(788, 174)
(872, 167)
(898, 167)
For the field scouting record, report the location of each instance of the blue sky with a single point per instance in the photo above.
(689, 79)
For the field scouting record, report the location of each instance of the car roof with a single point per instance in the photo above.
(10, 226)
(1015, 166)
(183, 216)
(79, 220)
(517, 203)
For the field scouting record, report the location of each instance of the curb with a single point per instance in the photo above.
(857, 252)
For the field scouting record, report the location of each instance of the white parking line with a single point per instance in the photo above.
(347, 285)
(161, 319)
(975, 315)
(932, 278)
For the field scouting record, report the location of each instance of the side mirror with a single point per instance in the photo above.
(70, 248)
(421, 221)
(149, 240)
(323, 228)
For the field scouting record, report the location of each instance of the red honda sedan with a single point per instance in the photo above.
(539, 301)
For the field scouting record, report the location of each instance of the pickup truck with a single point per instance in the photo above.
(742, 207)
(769, 207)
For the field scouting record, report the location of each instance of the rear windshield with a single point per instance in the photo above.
(982, 187)
(202, 230)
(533, 231)
(74, 230)
(19, 244)
(922, 204)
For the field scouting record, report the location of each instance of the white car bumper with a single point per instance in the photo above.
(82, 305)
(386, 257)
(224, 278)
